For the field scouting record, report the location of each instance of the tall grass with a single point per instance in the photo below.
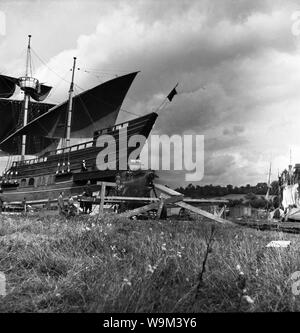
(114, 264)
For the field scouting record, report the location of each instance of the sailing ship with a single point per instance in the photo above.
(40, 134)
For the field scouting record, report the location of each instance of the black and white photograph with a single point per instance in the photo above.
(150, 159)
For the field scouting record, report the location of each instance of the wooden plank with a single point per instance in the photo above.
(155, 205)
(203, 213)
(221, 212)
(119, 198)
(185, 205)
(166, 189)
(140, 210)
(109, 184)
(102, 195)
(169, 191)
(160, 208)
(116, 199)
(36, 202)
(212, 201)
(113, 199)
(289, 227)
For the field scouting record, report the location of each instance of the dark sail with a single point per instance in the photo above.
(92, 109)
(8, 86)
(40, 93)
(11, 115)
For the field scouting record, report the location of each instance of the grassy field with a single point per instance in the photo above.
(120, 265)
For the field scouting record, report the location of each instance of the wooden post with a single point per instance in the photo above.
(102, 196)
(160, 208)
(155, 205)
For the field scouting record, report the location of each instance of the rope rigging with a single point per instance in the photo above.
(54, 72)
(96, 73)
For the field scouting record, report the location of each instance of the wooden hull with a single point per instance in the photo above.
(41, 179)
(50, 192)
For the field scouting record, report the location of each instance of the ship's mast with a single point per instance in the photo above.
(26, 101)
(269, 182)
(269, 178)
(71, 91)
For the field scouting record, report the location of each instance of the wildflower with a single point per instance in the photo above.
(116, 256)
(248, 299)
(57, 295)
(126, 282)
(179, 254)
(151, 269)
(163, 247)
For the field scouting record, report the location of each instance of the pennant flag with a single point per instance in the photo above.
(172, 93)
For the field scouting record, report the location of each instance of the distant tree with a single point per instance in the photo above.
(261, 188)
(235, 202)
(274, 187)
(229, 188)
(180, 190)
(276, 202)
(250, 196)
(207, 191)
(256, 201)
(236, 190)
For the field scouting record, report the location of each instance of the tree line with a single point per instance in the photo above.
(253, 195)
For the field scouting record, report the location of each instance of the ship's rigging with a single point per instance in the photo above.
(43, 130)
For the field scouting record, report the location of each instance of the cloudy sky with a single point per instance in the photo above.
(237, 63)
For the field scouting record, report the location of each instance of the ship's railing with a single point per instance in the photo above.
(76, 147)
(84, 145)
(28, 82)
(30, 161)
(66, 150)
